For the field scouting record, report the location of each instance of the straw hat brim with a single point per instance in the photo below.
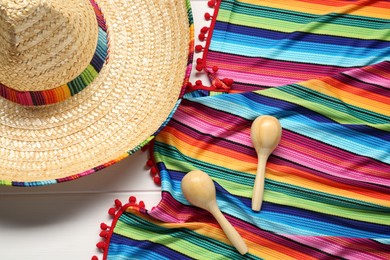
(134, 95)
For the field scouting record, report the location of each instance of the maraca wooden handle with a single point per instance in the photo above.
(230, 231)
(258, 187)
(266, 132)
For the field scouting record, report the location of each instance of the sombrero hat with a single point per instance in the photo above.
(85, 83)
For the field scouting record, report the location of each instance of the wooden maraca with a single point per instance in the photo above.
(199, 190)
(266, 132)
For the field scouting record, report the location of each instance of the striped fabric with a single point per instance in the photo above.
(323, 70)
(273, 43)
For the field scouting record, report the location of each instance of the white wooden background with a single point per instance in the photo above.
(62, 221)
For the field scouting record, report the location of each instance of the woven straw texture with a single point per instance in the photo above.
(134, 94)
(45, 44)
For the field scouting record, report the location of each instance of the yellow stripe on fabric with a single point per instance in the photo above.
(216, 158)
(305, 183)
(335, 115)
(178, 244)
(174, 164)
(361, 215)
(234, 188)
(347, 97)
(321, 9)
(312, 27)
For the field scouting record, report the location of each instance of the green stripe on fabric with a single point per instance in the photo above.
(236, 188)
(327, 198)
(312, 27)
(177, 161)
(180, 239)
(173, 159)
(316, 206)
(328, 106)
(358, 112)
(305, 18)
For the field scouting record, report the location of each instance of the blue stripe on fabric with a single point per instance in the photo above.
(385, 241)
(250, 106)
(298, 17)
(270, 52)
(282, 45)
(124, 252)
(119, 244)
(301, 36)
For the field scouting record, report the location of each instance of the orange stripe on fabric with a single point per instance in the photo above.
(300, 178)
(359, 92)
(355, 244)
(268, 72)
(348, 97)
(362, 8)
(378, 4)
(208, 152)
(328, 158)
(260, 243)
(377, 71)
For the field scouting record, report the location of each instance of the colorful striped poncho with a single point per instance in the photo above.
(322, 68)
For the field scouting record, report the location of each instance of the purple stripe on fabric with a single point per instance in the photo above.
(221, 130)
(274, 64)
(338, 248)
(243, 87)
(368, 77)
(340, 179)
(289, 108)
(214, 140)
(321, 165)
(253, 78)
(222, 116)
(361, 84)
(301, 36)
(326, 149)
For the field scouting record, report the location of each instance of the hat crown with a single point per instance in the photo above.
(45, 43)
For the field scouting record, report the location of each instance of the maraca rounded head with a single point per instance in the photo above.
(266, 132)
(198, 189)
